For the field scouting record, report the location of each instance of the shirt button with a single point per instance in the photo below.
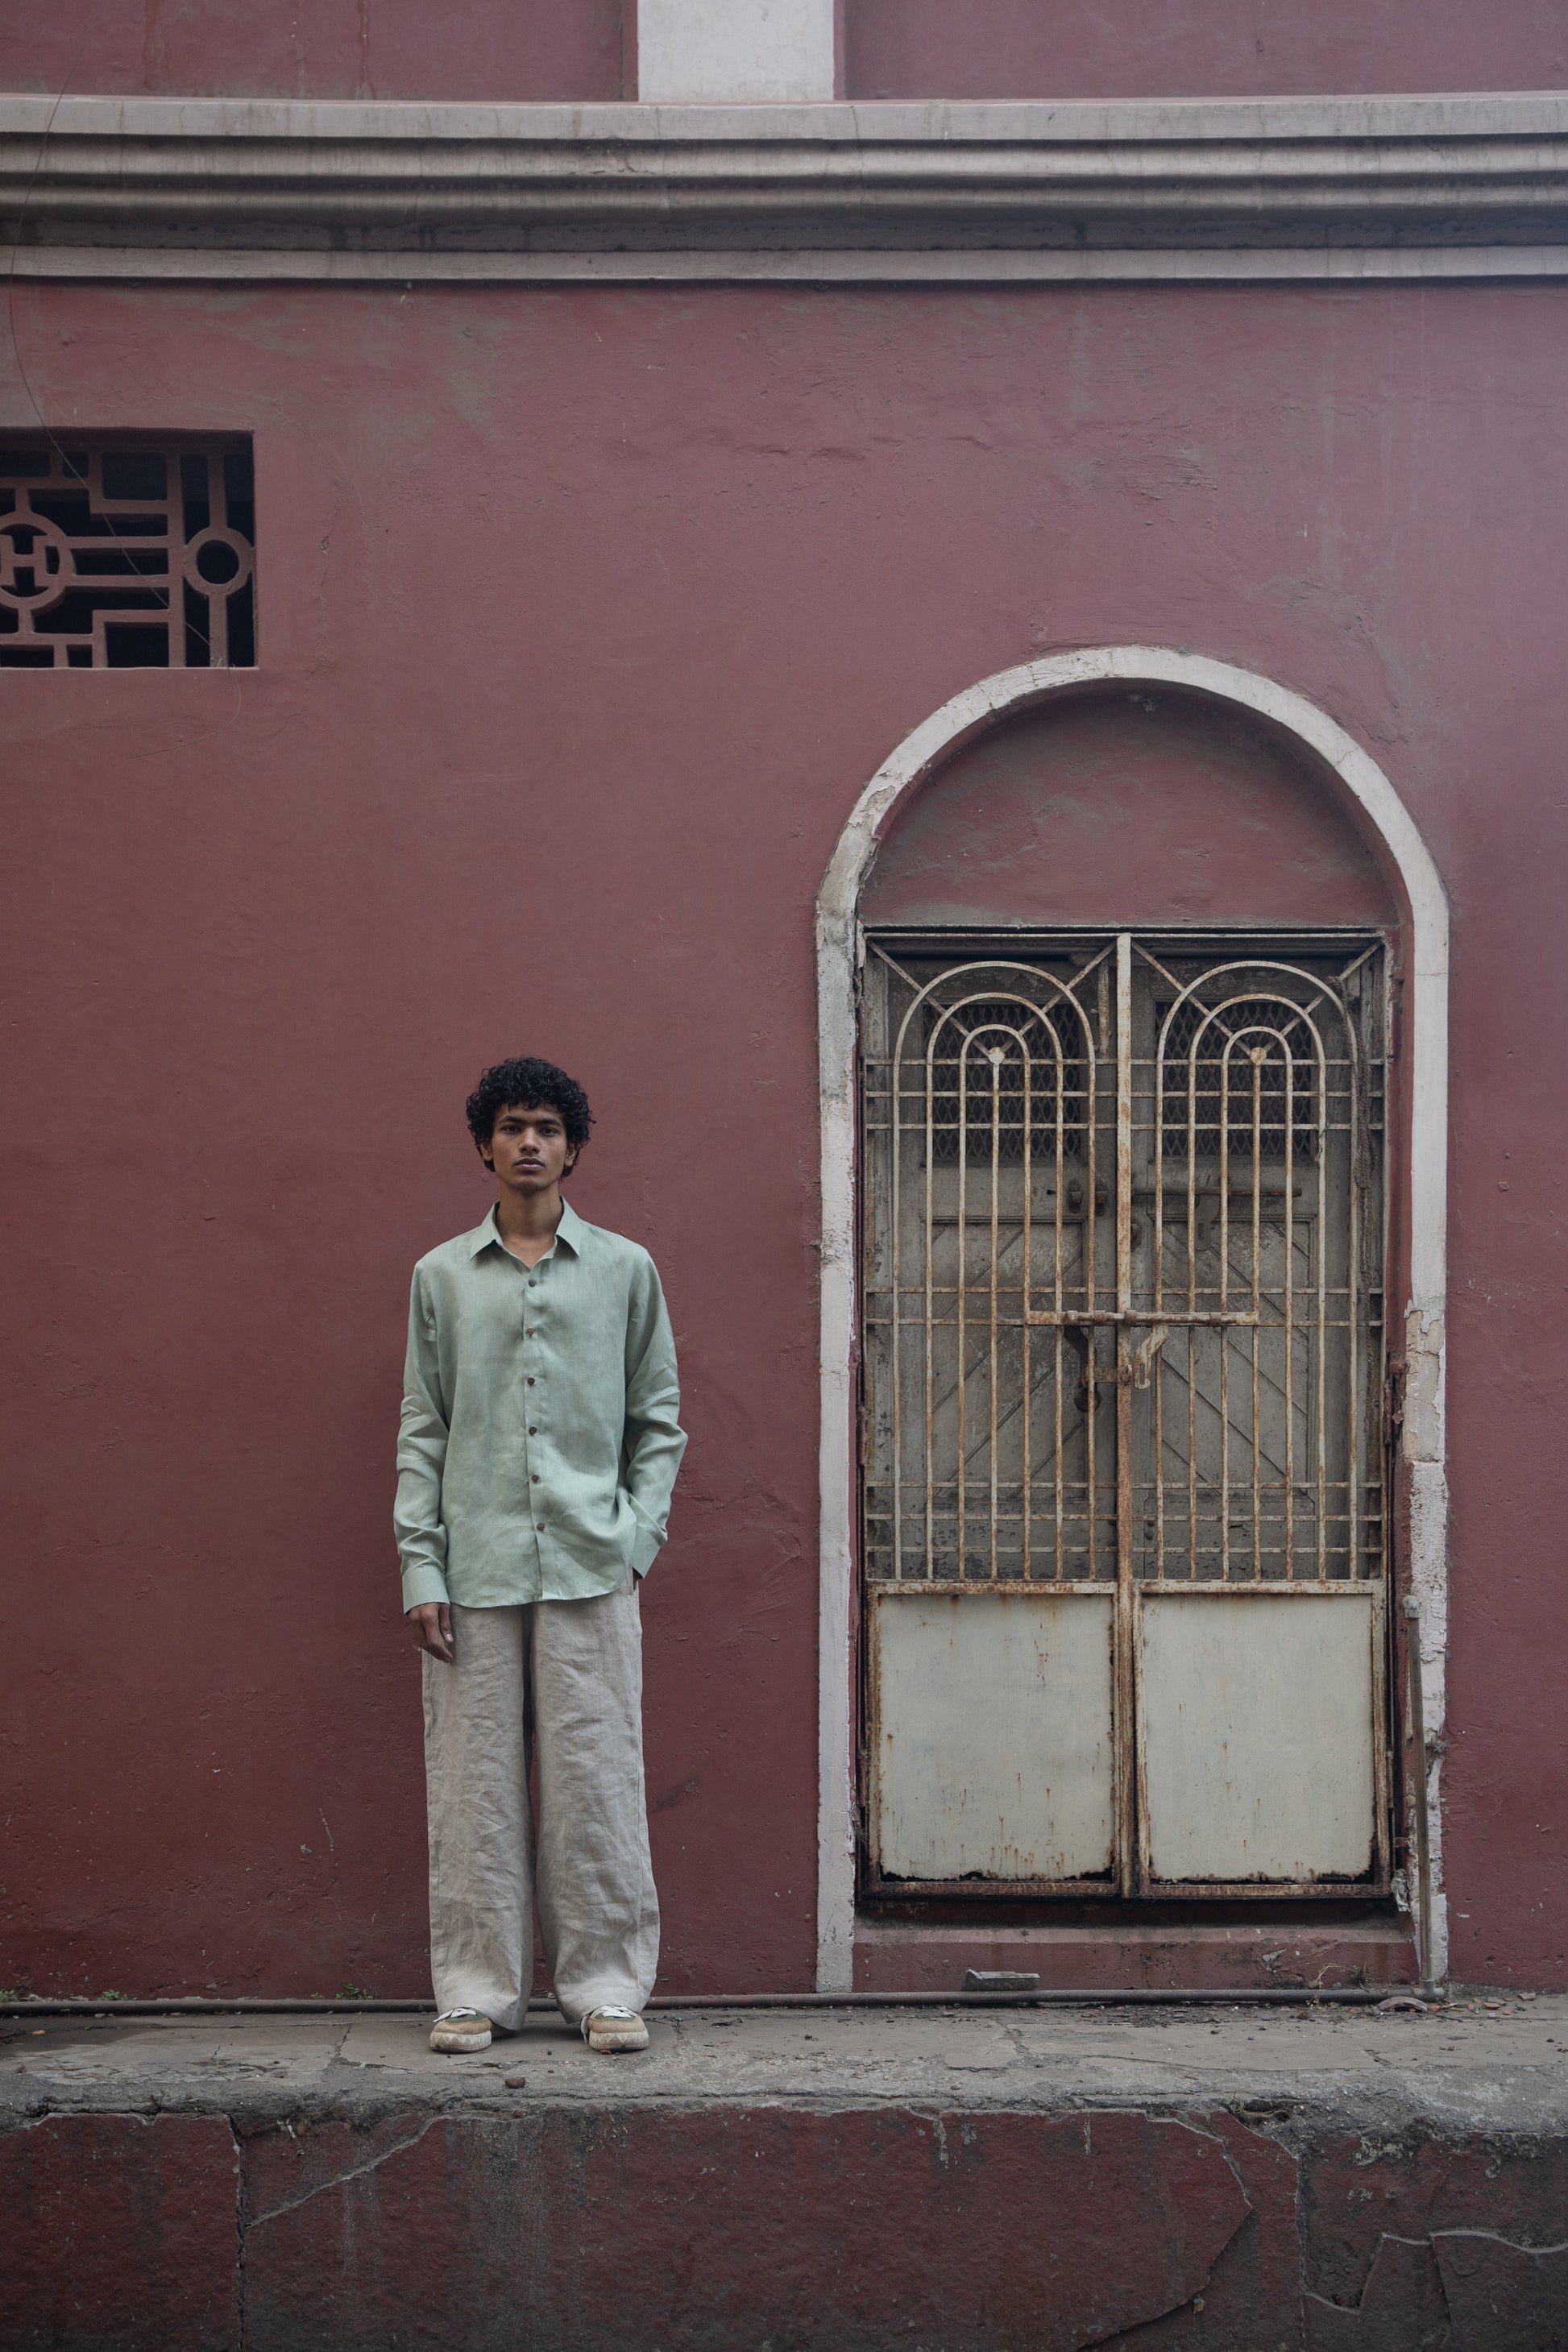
(536, 1477)
(531, 1380)
(529, 1333)
(533, 1285)
(531, 1431)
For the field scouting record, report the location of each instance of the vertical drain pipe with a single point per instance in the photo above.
(1420, 1819)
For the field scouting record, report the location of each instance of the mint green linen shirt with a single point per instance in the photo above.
(540, 1438)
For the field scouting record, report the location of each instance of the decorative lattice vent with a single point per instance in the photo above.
(121, 556)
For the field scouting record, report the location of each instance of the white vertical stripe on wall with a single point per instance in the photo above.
(741, 52)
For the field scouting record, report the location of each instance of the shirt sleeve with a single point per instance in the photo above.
(654, 1440)
(421, 1457)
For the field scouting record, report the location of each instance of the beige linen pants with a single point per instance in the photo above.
(564, 1679)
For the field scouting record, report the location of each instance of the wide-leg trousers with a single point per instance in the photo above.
(561, 1680)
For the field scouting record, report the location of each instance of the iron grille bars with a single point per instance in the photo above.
(1131, 1179)
(1123, 1527)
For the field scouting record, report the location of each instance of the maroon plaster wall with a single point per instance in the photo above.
(490, 49)
(500, 49)
(1126, 806)
(1199, 49)
(986, 2231)
(584, 618)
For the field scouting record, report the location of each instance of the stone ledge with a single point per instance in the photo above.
(1486, 170)
(1342, 266)
(1392, 2071)
(838, 2179)
(845, 123)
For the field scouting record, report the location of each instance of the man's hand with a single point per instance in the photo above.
(432, 1624)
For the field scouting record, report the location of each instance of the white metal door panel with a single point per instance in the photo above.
(1256, 1734)
(994, 1754)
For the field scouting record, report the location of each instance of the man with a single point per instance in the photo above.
(538, 1447)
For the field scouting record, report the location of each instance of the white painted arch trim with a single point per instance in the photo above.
(838, 953)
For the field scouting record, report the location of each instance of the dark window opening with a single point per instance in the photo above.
(79, 526)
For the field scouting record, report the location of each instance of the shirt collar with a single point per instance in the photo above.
(570, 1231)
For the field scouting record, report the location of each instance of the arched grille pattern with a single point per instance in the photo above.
(999, 1070)
(1195, 1051)
(1193, 1213)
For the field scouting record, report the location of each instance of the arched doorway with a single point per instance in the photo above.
(1106, 1569)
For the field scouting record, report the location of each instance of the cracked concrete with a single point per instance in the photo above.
(1336, 2180)
(1467, 2065)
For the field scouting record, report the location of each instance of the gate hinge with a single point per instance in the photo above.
(1394, 1393)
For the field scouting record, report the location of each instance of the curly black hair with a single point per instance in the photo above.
(527, 1081)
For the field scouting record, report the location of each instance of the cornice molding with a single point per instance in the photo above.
(212, 187)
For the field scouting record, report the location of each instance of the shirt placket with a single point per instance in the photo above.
(535, 1350)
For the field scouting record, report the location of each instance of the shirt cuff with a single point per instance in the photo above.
(423, 1583)
(646, 1549)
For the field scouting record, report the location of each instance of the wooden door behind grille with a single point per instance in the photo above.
(1123, 1530)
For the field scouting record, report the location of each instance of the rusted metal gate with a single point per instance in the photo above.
(1124, 1532)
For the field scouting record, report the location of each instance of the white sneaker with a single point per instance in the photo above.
(461, 2031)
(615, 2028)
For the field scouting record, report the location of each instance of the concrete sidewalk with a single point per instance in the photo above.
(951, 2180)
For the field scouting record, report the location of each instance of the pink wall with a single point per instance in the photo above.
(492, 50)
(894, 49)
(1199, 48)
(1118, 807)
(583, 618)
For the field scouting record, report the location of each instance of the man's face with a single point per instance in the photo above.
(528, 1148)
